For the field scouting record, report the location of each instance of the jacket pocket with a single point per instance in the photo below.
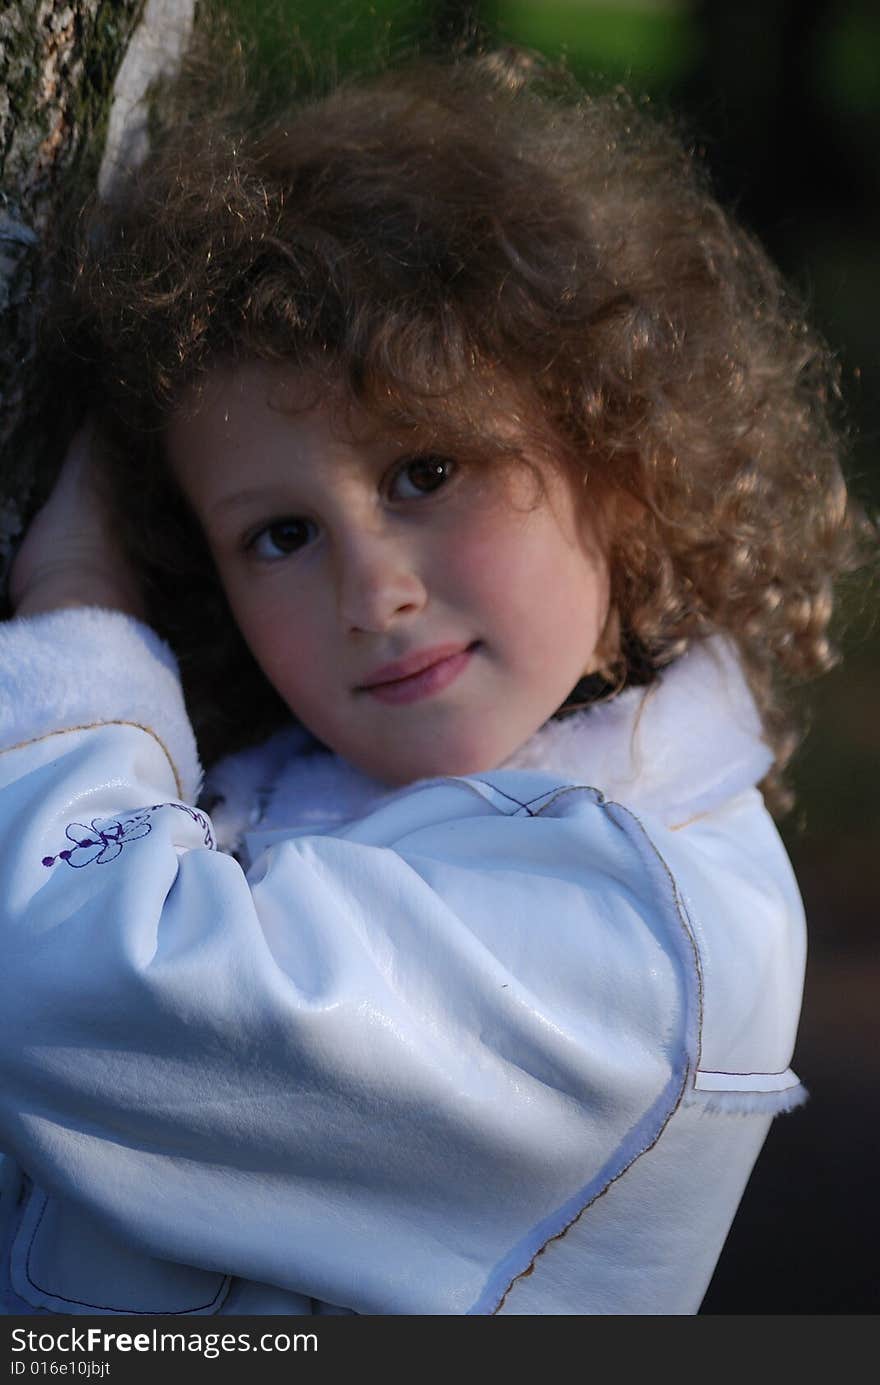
(62, 1262)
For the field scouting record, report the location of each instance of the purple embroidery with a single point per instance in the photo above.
(103, 840)
(196, 816)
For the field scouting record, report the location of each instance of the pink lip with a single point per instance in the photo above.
(420, 674)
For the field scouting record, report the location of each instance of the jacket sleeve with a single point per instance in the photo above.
(384, 1068)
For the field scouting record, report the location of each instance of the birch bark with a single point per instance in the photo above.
(75, 77)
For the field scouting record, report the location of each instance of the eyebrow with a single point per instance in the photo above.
(239, 499)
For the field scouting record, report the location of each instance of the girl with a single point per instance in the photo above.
(452, 417)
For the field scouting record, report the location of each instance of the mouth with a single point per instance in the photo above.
(420, 674)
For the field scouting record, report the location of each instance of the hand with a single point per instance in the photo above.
(70, 555)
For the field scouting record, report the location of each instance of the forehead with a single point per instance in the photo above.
(238, 407)
(239, 399)
(257, 421)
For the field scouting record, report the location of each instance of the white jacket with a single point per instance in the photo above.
(507, 1043)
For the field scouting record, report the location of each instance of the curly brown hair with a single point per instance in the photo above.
(433, 236)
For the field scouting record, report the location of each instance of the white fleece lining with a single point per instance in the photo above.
(677, 750)
(747, 1103)
(85, 666)
(634, 748)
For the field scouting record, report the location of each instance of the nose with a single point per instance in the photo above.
(378, 583)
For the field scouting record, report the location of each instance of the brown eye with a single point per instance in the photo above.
(420, 476)
(281, 538)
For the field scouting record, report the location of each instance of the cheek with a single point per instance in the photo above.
(287, 639)
(495, 562)
(533, 580)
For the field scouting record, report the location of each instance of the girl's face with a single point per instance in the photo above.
(420, 615)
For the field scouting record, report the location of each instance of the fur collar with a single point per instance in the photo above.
(674, 750)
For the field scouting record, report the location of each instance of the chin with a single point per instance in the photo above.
(445, 762)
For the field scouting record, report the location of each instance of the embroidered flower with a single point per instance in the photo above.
(103, 840)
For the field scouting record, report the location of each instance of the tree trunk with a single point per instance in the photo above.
(74, 81)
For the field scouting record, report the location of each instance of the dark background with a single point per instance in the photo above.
(784, 97)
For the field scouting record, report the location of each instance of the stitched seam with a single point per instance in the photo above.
(687, 926)
(561, 792)
(547, 794)
(760, 1072)
(471, 786)
(511, 799)
(697, 817)
(683, 916)
(94, 726)
(595, 1198)
(84, 1303)
(527, 805)
(687, 929)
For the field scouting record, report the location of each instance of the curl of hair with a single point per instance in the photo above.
(443, 233)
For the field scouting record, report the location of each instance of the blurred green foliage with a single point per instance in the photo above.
(850, 56)
(646, 46)
(326, 40)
